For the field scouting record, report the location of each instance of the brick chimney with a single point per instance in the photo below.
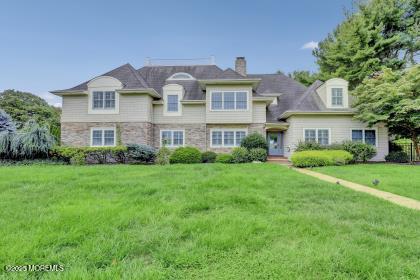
(240, 65)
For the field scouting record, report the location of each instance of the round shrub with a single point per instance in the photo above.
(208, 157)
(253, 141)
(240, 155)
(185, 155)
(398, 156)
(78, 159)
(258, 154)
(360, 151)
(224, 158)
(162, 156)
(141, 153)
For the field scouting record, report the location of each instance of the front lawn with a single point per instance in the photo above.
(214, 221)
(399, 179)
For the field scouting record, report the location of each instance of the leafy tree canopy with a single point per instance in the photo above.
(393, 98)
(381, 33)
(304, 77)
(22, 106)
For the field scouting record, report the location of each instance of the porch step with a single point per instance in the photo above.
(278, 159)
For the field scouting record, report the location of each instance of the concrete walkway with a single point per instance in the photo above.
(394, 198)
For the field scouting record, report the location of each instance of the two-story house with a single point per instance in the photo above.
(211, 109)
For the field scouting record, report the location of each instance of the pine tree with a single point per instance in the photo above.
(6, 122)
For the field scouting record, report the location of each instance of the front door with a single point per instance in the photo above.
(275, 143)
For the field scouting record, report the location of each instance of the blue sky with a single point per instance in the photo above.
(47, 45)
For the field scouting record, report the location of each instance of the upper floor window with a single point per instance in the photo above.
(181, 76)
(103, 100)
(229, 100)
(367, 136)
(320, 135)
(172, 103)
(337, 97)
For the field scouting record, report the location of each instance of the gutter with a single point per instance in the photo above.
(291, 113)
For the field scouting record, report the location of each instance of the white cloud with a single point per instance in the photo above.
(309, 45)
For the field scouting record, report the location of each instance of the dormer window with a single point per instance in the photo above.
(172, 104)
(337, 97)
(181, 76)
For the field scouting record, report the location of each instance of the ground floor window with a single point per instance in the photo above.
(102, 137)
(172, 138)
(320, 135)
(367, 136)
(227, 137)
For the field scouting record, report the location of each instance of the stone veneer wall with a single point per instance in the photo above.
(260, 128)
(78, 134)
(194, 134)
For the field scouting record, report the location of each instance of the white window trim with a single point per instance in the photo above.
(223, 137)
(223, 101)
(344, 93)
(363, 134)
(171, 78)
(103, 136)
(342, 98)
(316, 133)
(168, 90)
(104, 111)
(172, 140)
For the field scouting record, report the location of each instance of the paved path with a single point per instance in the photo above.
(394, 198)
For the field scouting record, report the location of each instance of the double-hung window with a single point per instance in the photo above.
(367, 136)
(103, 100)
(320, 135)
(172, 104)
(172, 138)
(102, 137)
(229, 100)
(227, 137)
(337, 97)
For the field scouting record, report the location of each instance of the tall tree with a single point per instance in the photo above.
(381, 33)
(23, 106)
(304, 77)
(393, 98)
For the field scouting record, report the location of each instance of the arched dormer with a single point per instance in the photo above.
(181, 76)
(334, 93)
(102, 95)
(172, 96)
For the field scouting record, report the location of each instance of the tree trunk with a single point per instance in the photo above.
(415, 140)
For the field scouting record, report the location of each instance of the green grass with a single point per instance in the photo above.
(399, 179)
(250, 221)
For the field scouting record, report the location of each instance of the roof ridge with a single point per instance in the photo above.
(138, 76)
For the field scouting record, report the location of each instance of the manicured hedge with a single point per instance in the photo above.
(240, 155)
(258, 154)
(208, 157)
(82, 155)
(224, 158)
(320, 158)
(398, 156)
(185, 155)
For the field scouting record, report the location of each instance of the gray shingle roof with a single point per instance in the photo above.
(293, 96)
(126, 74)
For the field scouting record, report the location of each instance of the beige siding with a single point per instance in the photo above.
(132, 108)
(340, 127)
(228, 116)
(258, 112)
(190, 114)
